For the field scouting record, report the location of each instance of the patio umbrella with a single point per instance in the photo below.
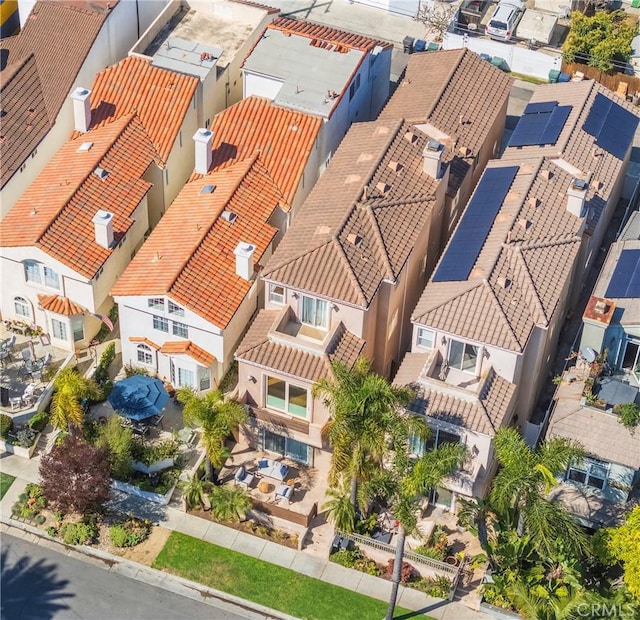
(138, 397)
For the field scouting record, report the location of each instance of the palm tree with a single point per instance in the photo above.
(519, 491)
(408, 480)
(70, 389)
(230, 503)
(194, 492)
(340, 510)
(217, 417)
(364, 416)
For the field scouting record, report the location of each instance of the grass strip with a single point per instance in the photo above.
(5, 482)
(264, 583)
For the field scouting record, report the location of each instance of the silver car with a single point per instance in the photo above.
(505, 19)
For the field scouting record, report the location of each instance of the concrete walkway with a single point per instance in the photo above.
(299, 561)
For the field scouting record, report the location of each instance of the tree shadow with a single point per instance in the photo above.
(31, 589)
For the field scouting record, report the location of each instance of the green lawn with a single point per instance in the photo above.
(5, 482)
(264, 583)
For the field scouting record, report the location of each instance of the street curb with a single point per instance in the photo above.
(142, 572)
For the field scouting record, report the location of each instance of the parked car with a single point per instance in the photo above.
(504, 20)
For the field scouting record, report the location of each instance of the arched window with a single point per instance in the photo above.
(22, 307)
(144, 354)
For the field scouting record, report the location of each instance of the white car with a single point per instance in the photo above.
(505, 19)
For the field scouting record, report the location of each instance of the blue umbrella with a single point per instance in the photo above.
(138, 397)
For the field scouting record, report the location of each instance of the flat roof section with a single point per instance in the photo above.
(308, 72)
(180, 45)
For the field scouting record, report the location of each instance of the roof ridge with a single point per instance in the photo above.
(108, 147)
(207, 229)
(342, 256)
(496, 302)
(445, 84)
(470, 285)
(366, 207)
(484, 395)
(517, 252)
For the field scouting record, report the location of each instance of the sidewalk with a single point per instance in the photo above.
(299, 561)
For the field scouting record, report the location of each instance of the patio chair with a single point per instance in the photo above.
(284, 491)
(9, 343)
(29, 393)
(16, 402)
(47, 360)
(26, 355)
(243, 477)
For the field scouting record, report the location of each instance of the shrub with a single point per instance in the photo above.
(78, 533)
(6, 424)
(130, 370)
(431, 552)
(230, 503)
(52, 531)
(407, 574)
(629, 414)
(25, 437)
(433, 586)
(152, 453)
(130, 533)
(39, 421)
(357, 560)
(101, 375)
(118, 442)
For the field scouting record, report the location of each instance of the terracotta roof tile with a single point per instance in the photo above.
(189, 255)
(283, 139)
(39, 67)
(56, 212)
(485, 413)
(443, 88)
(327, 34)
(258, 348)
(60, 305)
(360, 222)
(186, 347)
(142, 340)
(159, 98)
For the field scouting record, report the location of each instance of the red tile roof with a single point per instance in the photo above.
(326, 35)
(159, 98)
(60, 305)
(56, 212)
(39, 67)
(189, 255)
(146, 341)
(283, 139)
(186, 347)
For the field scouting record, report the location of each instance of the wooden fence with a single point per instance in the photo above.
(280, 512)
(610, 80)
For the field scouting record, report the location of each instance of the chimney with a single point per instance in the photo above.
(576, 195)
(203, 139)
(103, 226)
(81, 109)
(244, 260)
(432, 159)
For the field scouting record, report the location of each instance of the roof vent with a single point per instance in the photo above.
(410, 137)
(322, 230)
(465, 151)
(383, 188)
(355, 239)
(229, 216)
(208, 189)
(364, 157)
(504, 283)
(534, 202)
(576, 197)
(524, 223)
(396, 166)
(546, 175)
(579, 184)
(601, 307)
(433, 145)
(101, 173)
(85, 146)
(352, 178)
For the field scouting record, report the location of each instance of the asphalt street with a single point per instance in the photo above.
(41, 584)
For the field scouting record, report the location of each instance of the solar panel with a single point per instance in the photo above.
(476, 222)
(625, 281)
(541, 124)
(611, 125)
(542, 106)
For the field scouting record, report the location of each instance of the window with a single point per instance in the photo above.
(463, 356)
(22, 307)
(315, 312)
(160, 323)
(144, 354)
(157, 303)
(32, 272)
(77, 326)
(276, 293)
(291, 448)
(180, 329)
(286, 397)
(175, 309)
(59, 329)
(425, 338)
(418, 446)
(353, 89)
(590, 472)
(186, 378)
(51, 278)
(204, 378)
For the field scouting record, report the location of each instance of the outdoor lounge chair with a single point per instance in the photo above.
(284, 491)
(273, 469)
(243, 477)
